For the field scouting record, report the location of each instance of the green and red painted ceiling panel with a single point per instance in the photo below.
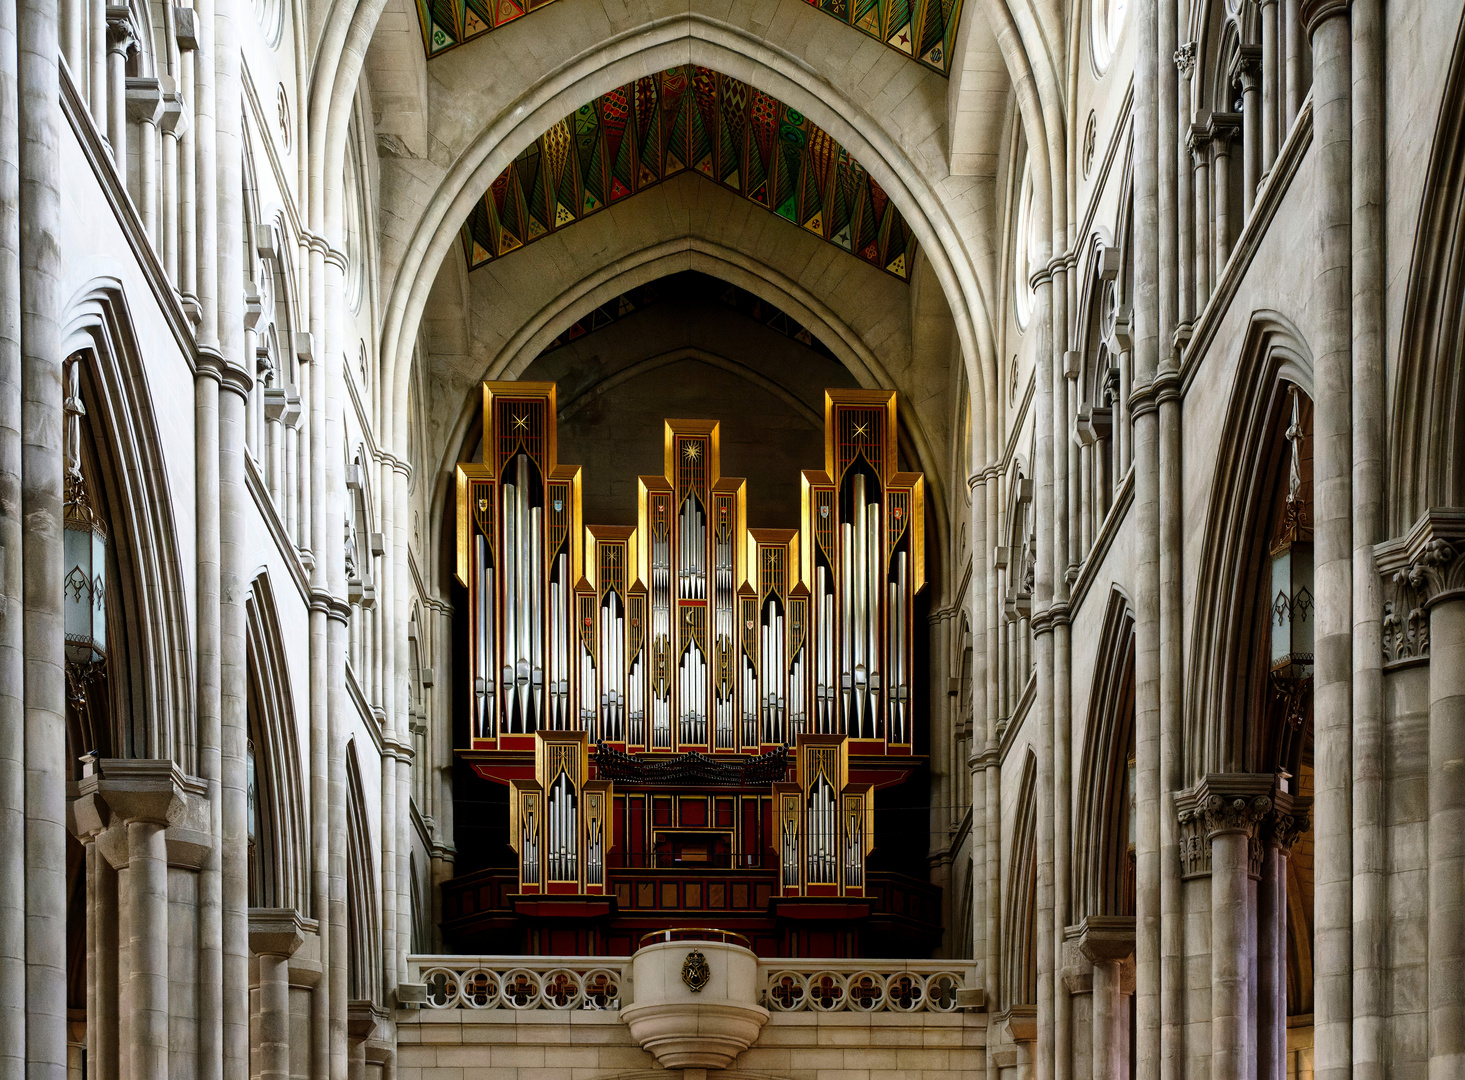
(924, 30)
(689, 118)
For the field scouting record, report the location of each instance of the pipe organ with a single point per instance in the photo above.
(558, 819)
(690, 639)
(826, 825)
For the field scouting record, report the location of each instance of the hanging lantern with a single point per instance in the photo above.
(1293, 609)
(85, 584)
(1293, 606)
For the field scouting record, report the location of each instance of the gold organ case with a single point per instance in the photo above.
(690, 653)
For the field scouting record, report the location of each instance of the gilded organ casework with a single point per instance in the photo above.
(689, 652)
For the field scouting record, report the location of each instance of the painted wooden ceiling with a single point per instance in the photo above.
(924, 30)
(689, 118)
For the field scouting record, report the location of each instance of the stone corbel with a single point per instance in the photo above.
(362, 1017)
(278, 931)
(1291, 816)
(185, 28)
(1105, 938)
(1022, 1023)
(1078, 969)
(1420, 569)
(282, 404)
(173, 118)
(144, 100)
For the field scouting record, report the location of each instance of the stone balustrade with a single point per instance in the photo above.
(597, 983)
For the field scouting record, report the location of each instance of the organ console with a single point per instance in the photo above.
(652, 654)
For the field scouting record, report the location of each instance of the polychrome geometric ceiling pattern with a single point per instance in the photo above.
(689, 118)
(921, 29)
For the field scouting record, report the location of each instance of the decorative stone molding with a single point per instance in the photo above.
(1316, 12)
(1420, 569)
(1221, 803)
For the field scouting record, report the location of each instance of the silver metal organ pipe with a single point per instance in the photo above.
(872, 619)
(860, 582)
(511, 607)
(521, 598)
(536, 610)
(846, 624)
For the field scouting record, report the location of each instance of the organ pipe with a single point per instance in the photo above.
(827, 645)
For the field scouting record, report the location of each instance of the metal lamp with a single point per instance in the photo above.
(85, 584)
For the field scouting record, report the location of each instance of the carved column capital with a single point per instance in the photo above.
(1223, 127)
(1246, 67)
(1185, 59)
(1221, 803)
(1424, 567)
(121, 37)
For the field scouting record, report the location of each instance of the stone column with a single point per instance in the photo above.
(1272, 91)
(120, 41)
(1146, 359)
(145, 109)
(1199, 144)
(1249, 75)
(12, 588)
(186, 23)
(89, 820)
(1224, 127)
(173, 122)
(41, 483)
(1437, 574)
(1184, 192)
(1280, 831)
(1022, 1029)
(1107, 942)
(1371, 911)
(1223, 812)
(1327, 24)
(96, 83)
(1296, 87)
(274, 936)
(138, 799)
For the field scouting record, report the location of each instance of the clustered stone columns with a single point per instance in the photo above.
(1102, 962)
(1424, 619)
(143, 823)
(285, 971)
(1237, 828)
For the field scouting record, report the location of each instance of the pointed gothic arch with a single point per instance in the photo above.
(279, 863)
(151, 675)
(1226, 671)
(363, 927)
(1103, 874)
(1426, 466)
(1020, 939)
